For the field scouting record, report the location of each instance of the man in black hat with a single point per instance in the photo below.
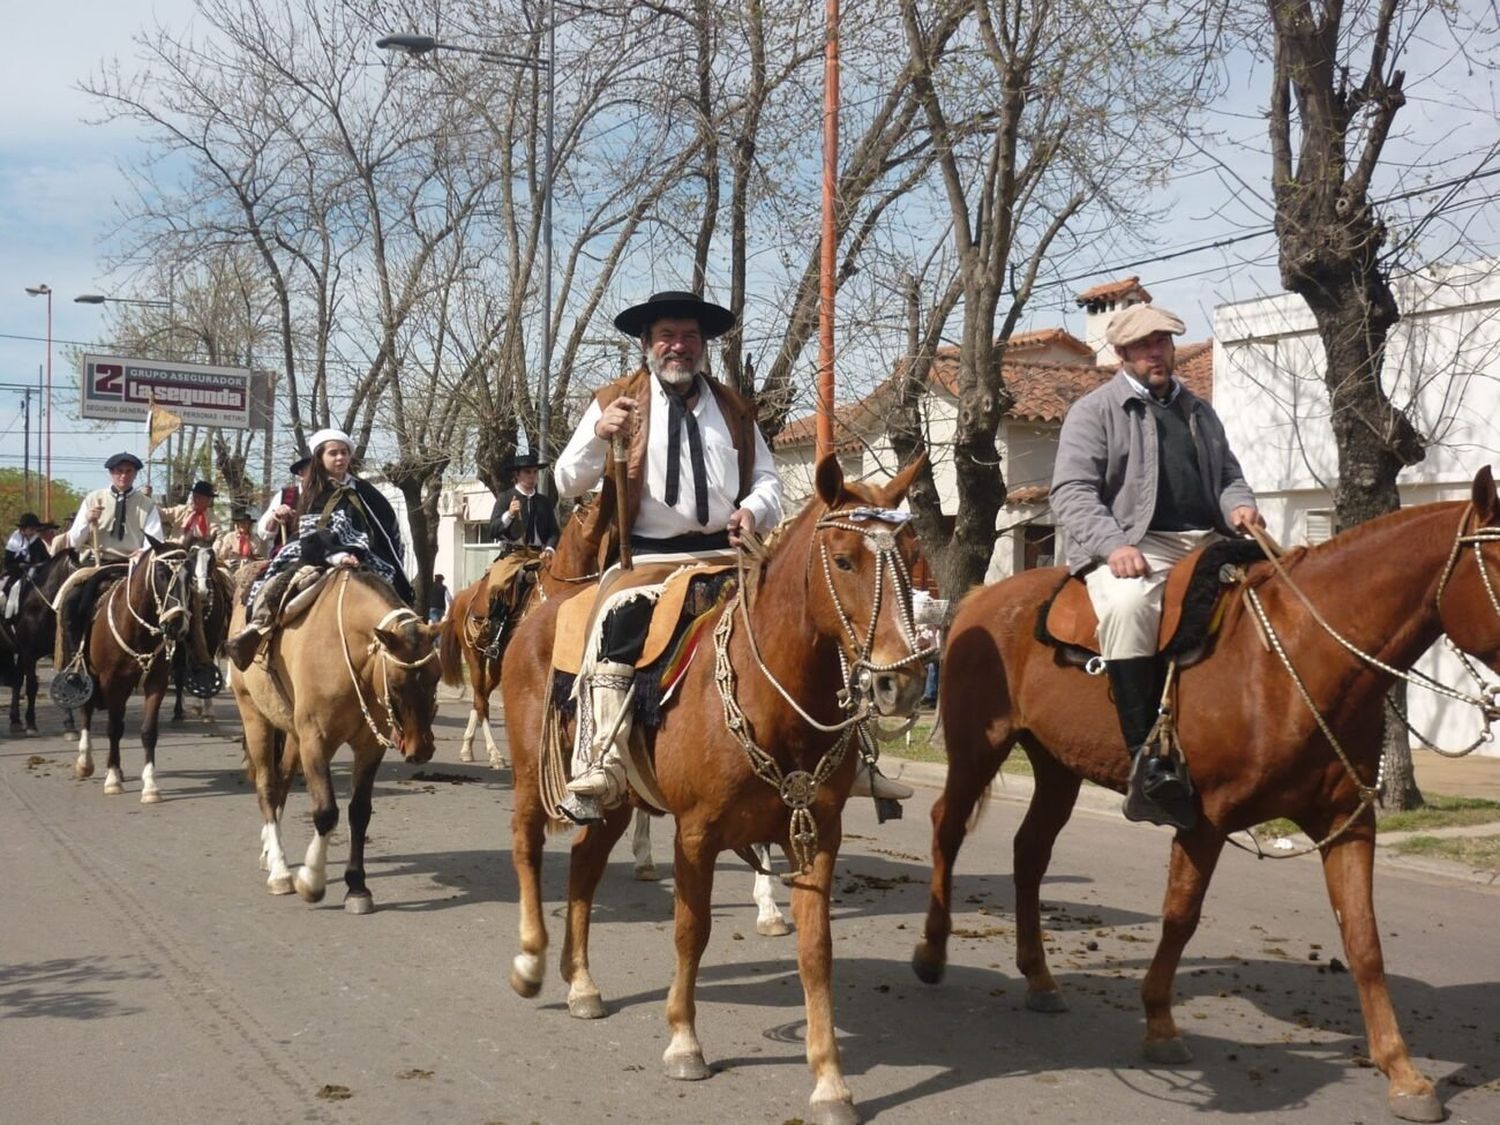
(193, 521)
(522, 514)
(240, 544)
(24, 549)
(123, 515)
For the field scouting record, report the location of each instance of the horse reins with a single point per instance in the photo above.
(166, 609)
(377, 647)
(1486, 703)
(799, 788)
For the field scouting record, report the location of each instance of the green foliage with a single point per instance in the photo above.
(1479, 852)
(1443, 812)
(65, 500)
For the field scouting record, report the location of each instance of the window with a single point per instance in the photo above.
(1038, 546)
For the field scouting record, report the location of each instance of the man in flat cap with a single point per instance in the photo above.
(122, 513)
(1144, 475)
(119, 518)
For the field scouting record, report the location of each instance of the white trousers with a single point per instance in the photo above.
(1129, 609)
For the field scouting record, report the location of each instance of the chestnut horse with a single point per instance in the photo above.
(137, 625)
(466, 633)
(1255, 750)
(32, 633)
(358, 667)
(833, 589)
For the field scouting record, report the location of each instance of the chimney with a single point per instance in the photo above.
(1100, 304)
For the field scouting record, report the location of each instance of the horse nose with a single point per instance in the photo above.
(898, 692)
(421, 748)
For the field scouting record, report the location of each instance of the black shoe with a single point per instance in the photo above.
(1160, 793)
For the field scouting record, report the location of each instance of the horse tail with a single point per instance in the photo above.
(450, 653)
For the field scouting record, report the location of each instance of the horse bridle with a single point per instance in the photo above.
(168, 605)
(377, 647)
(799, 788)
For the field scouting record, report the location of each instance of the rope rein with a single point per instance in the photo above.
(1485, 702)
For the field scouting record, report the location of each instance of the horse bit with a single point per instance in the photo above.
(387, 658)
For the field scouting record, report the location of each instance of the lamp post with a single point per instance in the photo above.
(46, 291)
(418, 45)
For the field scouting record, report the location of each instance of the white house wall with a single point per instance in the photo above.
(1442, 363)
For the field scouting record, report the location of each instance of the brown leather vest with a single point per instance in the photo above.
(600, 528)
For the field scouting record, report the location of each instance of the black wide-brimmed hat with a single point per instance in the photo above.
(203, 488)
(30, 522)
(296, 467)
(241, 515)
(713, 320)
(124, 459)
(524, 461)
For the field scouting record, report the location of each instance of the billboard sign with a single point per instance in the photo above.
(116, 388)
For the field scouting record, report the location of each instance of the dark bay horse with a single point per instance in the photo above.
(190, 671)
(834, 588)
(138, 622)
(357, 668)
(1390, 588)
(32, 633)
(465, 640)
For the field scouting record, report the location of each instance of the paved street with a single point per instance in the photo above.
(145, 973)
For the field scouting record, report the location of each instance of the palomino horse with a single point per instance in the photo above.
(466, 637)
(31, 634)
(358, 667)
(1255, 747)
(734, 742)
(137, 624)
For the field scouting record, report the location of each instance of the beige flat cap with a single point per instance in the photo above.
(1139, 321)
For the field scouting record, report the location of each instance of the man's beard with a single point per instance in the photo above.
(673, 374)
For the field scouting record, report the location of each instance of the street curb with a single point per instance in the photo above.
(1093, 799)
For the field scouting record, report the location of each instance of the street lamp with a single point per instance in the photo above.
(46, 291)
(100, 298)
(418, 45)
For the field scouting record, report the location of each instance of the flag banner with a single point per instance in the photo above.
(160, 425)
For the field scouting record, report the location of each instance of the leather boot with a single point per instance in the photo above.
(872, 783)
(244, 645)
(1157, 791)
(602, 776)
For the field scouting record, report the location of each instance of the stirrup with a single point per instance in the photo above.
(1171, 801)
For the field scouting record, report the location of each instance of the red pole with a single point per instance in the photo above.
(828, 263)
(47, 498)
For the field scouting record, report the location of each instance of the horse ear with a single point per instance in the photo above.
(156, 544)
(895, 491)
(830, 479)
(1486, 504)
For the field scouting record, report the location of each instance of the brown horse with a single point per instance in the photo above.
(834, 588)
(138, 624)
(358, 667)
(1255, 750)
(466, 637)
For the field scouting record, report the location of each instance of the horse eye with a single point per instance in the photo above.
(843, 562)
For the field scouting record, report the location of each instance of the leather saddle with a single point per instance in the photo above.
(688, 592)
(1192, 605)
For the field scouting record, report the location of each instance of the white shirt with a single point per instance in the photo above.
(507, 517)
(79, 534)
(580, 467)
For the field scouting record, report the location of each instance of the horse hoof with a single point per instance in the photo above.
(499, 763)
(831, 1113)
(150, 797)
(1168, 1052)
(928, 967)
(1041, 1001)
(113, 788)
(526, 989)
(587, 1006)
(647, 874)
(526, 972)
(466, 755)
(83, 771)
(306, 892)
(279, 885)
(1416, 1107)
(686, 1068)
(359, 903)
(772, 927)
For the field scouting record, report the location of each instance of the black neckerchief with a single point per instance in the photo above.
(679, 415)
(117, 524)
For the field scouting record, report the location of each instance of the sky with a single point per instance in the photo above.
(59, 180)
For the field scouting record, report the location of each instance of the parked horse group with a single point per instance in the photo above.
(758, 745)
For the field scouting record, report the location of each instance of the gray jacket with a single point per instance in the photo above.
(1104, 479)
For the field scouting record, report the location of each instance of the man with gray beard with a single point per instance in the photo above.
(698, 475)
